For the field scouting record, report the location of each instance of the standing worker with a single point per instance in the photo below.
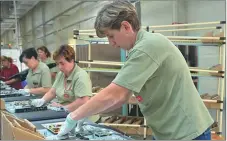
(45, 57)
(156, 72)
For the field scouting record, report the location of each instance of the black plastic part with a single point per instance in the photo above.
(222, 22)
(222, 38)
(219, 101)
(221, 71)
(147, 28)
(10, 95)
(76, 32)
(218, 27)
(31, 109)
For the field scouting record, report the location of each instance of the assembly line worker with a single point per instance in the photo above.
(45, 56)
(72, 86)
(155, 71)
(39, 77)
(9, 69)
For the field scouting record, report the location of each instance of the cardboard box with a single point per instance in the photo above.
(22, 133)
(18, 129)
(2, 104)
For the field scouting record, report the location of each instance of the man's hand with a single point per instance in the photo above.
(38, 102)
(68, 125)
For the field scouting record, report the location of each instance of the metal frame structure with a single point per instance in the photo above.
(89, 35)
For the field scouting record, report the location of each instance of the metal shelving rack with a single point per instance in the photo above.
(90, 37)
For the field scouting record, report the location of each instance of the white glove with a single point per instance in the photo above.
(24, 91)
(38, 102)
(2, 82)
(27, 90)
(68, 126)
(79, 126)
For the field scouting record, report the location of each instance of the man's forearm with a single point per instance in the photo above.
(108, 98)
(40, 90)
(77, 103)
(111, 109)
(51, 94)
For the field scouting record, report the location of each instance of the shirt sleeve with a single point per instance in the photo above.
(136, 71)
(83, 86)
(46, 78)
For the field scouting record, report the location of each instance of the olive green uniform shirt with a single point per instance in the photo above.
(158, 75)
(52, 70)
(77, 85)
(41, 77)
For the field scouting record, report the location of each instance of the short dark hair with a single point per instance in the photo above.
(65, 51)
(28, 53)
(44, 49)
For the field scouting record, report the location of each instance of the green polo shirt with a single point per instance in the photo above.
(158, 75)
(52, 70)
(41, 77)
(77, 85)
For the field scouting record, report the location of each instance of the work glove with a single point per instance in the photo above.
(38, 102)
(68, 125)
(2, 82)
(79, 126)
(24, 91)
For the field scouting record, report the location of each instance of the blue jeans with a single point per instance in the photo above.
(204, 136)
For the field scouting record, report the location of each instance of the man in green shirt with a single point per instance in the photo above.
(156, 72)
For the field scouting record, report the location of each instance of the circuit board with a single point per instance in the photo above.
(53, 127)
(90, 131)
(58, 109)
(9, 93)
(5, 87)
(23, 106)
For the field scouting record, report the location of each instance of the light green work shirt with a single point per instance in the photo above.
(157, 73)
(52, 70)
(77, 85)
(41, 77)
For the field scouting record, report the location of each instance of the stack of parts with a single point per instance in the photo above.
(127, 124)
(210, 97)
(90, 131)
